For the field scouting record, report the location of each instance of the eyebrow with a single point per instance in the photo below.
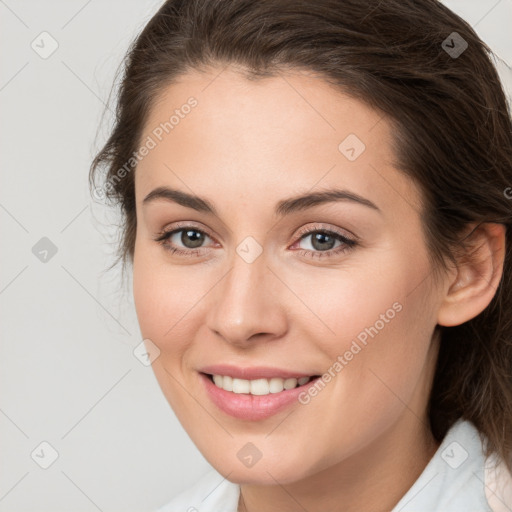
(284, 207)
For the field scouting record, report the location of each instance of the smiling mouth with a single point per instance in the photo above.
(258, 386)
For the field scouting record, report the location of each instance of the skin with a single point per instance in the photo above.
(364, 439)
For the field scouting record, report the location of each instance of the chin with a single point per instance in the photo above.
(261, 473)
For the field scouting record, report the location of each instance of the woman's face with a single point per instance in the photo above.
(263, 280)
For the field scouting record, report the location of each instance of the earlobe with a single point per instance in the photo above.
(478, 275)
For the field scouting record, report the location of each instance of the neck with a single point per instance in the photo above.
(374, 479)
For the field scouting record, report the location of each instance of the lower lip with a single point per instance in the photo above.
(252, 407)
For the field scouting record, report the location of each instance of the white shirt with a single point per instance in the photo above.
(458, 478)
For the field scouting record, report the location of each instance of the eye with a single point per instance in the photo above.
(189, 237)
(322, 243)
(187, 240)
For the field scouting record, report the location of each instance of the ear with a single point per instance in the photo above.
(478, 275)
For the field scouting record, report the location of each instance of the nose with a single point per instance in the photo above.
(246, 304)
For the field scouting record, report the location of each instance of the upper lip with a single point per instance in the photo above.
(252, 372)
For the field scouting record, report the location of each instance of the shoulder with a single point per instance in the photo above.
(459, 478)
(211, 493)
(498, 484)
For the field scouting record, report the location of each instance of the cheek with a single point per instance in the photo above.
(376, 357)
(168, 300)
(160, 302)
(376, 326)
(153, 294)
(363, 303)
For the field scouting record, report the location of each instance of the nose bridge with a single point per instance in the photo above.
(243, 304)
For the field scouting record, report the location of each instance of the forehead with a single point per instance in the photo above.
(290, 131)
(292, 107)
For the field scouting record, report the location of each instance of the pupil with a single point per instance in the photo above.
(319, 241)
(193, 235)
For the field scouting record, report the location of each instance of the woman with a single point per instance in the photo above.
(316, 200)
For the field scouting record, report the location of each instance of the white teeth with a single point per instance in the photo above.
(257, 386)
(241, 386)
(227, 383)
(276, 385)
(260, 387)
(290, 383)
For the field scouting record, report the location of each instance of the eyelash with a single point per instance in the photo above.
(347, 243)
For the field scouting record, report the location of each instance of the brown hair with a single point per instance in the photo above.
(452, 134)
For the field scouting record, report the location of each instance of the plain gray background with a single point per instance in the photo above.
(68, 376)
